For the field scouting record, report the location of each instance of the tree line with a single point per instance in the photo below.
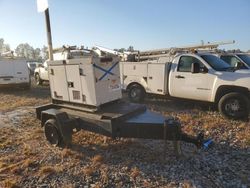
(26, 50)
(41, 54)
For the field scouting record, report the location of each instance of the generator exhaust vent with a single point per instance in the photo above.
(76, 95)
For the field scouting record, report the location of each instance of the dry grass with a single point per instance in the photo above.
(104, 174)
(88, 171)
(67, 153)
(14, 98)
(97, 159)
(134, 173)
(47, 170)
(10, 183)
(26, 153)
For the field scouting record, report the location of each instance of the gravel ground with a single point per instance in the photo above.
(27, 160)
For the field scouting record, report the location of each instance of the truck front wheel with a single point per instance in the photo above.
(136, 93)
(234, 106)
(38, 79)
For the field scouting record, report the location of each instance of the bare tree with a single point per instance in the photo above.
(130, 49)
(44, 52)
(4, 47)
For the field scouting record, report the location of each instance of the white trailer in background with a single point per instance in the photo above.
(14, 72)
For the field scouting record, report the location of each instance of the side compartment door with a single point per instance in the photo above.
(74, 83)
(156, 78)
(58, 82)
(7, 74)
(21, 71)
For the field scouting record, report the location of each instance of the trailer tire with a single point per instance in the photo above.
(234, 106)
(52, 133)
(38, 80)
(136, 93)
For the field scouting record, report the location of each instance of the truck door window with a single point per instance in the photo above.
(231, 60)
(245, 58)
(185, 63)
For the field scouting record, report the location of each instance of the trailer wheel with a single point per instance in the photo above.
(136, 93)
(234, 106)
(52, 133)
(38, 79)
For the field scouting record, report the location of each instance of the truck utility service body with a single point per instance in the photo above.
(196, 76)
(14, 72)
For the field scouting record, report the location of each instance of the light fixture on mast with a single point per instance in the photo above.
(43, 6)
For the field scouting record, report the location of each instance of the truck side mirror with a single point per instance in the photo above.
(195, 68)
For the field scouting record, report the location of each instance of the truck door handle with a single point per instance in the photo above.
(179, 76)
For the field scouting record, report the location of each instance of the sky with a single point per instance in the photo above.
(142, 24)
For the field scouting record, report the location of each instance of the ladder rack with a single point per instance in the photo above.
(153, 54)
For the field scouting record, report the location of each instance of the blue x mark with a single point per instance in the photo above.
(106, 72)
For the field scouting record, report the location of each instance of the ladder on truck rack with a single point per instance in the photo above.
(154, 54)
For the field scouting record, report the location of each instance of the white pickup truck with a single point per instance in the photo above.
(41, 73)
(195, 76)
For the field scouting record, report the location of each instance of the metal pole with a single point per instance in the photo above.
(49, 37)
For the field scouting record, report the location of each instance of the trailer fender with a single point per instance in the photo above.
(64, 124)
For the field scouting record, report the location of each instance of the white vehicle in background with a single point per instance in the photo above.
(240, 60)
(32, 65)
(14, 72)
(64, 53)
(41, 73)
(190, 72)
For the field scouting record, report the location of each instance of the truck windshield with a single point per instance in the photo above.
(245, 58)
(216, 63)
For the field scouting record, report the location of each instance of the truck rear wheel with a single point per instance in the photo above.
(52, 133)
(234, 106)
(38, 80)
(136, 93)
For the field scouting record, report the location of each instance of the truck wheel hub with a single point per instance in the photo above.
(233, 106)
(135, 93)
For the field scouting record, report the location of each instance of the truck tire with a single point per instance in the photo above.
(136, 93)
(52, 133)
(38, 79)
(234, 106)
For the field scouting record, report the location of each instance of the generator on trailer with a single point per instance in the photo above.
(86, 94)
